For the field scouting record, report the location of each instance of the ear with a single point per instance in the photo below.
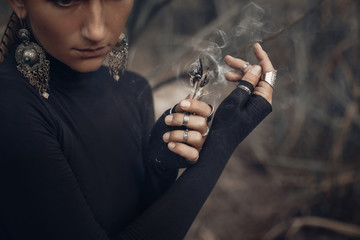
(18, 7)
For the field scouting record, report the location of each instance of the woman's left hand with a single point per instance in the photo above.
(191, 114)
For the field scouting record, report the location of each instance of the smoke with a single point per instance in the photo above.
(248, 29)
(250, 26)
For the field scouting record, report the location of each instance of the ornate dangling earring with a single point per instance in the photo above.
(32, 62)
(116, 61)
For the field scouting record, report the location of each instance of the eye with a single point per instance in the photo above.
(65, 3)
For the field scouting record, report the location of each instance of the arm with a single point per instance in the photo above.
(42, 198)
(236, 117)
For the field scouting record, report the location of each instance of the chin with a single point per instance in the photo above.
(89, 65)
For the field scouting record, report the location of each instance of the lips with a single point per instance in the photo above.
(92, 52)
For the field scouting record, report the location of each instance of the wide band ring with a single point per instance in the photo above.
(270, 78)
(246, 64)
(186, 135)
(206, 132)
(186, 119)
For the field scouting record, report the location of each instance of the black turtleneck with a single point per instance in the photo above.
(79, 166)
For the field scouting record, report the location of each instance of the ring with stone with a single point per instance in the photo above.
(246, 64)
(186, 135)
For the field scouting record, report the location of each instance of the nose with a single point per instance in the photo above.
(94, 28)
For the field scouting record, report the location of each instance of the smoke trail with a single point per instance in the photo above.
(248, 29)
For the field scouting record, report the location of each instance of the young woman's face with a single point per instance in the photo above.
(79, 33)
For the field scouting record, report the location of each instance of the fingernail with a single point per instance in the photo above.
(259, 46)
(185, 103)
(168, 119)
(166, 137)
(256, 70)
(171, 145)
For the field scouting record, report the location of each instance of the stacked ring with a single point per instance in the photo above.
(246, 86)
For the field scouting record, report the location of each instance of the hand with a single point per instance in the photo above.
(261, 88)
(189, 141)
(242, 111)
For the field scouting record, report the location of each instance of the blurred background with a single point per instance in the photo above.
(297, 175)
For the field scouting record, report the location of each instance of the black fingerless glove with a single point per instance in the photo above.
(235, 118)
(159, 154)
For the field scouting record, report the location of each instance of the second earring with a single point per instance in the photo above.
(117, 58)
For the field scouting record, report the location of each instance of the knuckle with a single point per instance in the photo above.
(178, 148)
(178, 118)
(194, 156)
(203, 123)
(197, 136)
(264, 86)
(172, 135)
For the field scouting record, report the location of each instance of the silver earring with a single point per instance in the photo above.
(32, 63)
(116, 61)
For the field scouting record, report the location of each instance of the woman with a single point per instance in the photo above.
(76, 158)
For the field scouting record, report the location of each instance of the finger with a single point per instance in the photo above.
(265, 90)
(233, 77)
(236, 63)
(194, 138)
(184, 150)
(195, 122)
(194, 106)
(263, 58)
(253, 75)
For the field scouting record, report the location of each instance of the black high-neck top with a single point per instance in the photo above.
(72, 165)
(79, 166)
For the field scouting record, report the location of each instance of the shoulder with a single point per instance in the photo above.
(12, 82)
(131, 84)
(8, 71)
(19, 101)
(135, 82)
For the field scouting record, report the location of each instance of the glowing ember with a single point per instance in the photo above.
(198, 80)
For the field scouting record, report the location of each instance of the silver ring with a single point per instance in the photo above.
(270, 78)
(246, 64)
(186, 135)
(208, 118)
(245, 88)
(192, 162)
(186, 119)
(172, 110)
(206, 133)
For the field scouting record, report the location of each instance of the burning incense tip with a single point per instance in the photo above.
(198, 80)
